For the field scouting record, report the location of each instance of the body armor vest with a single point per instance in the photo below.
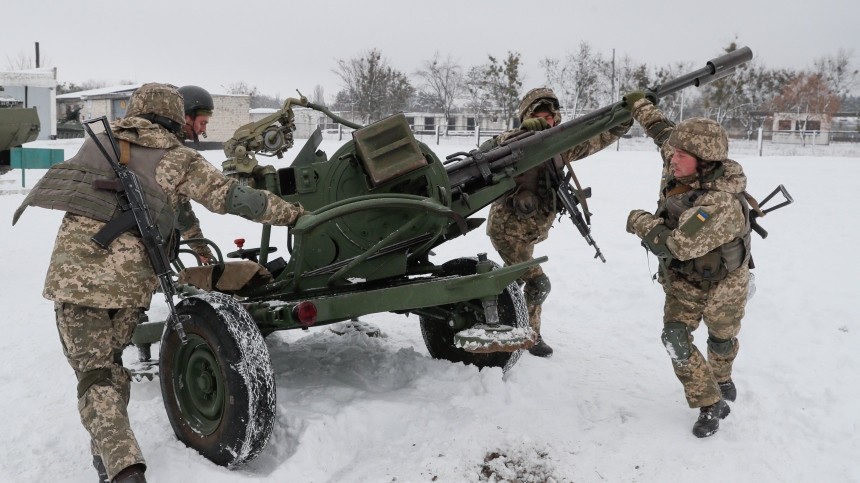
(719, 262)
(68, 186)
(536, 185)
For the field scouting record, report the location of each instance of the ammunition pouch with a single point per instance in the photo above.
(246, 202)
(714, 265)
(525, 203)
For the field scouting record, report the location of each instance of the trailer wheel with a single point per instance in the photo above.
(439, 337)
(218, 388)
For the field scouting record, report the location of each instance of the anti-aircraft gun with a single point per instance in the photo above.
(377, 207)
(18, 125)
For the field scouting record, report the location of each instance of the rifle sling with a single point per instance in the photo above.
(124, 152)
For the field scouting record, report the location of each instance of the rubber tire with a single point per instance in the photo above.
(235, 427)
(439, 337)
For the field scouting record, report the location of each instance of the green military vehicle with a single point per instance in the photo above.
(18, 125)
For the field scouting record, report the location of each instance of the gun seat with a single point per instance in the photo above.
(228, 278)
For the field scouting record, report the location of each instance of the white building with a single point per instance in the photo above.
(35, 88)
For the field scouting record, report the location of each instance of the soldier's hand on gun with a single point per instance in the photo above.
(534, 124)
(631, 97)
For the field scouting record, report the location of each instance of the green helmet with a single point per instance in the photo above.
(160, 103)
(540, 96)
(198, 101)
(703, 138)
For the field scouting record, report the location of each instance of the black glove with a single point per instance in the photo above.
(631, 97)
(534, 124)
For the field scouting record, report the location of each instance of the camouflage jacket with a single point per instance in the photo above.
(716, 216)
(80, 272)
(535, 179)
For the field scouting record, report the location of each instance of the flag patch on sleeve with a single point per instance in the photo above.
(695, 223)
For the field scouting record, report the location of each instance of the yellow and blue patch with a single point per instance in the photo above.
(695, 223)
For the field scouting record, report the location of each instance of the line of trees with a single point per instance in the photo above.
(583, 79)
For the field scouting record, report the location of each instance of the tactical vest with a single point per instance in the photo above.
(719, 262)
(535, 183)
(69, 186)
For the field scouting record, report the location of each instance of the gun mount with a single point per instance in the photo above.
(376, 209)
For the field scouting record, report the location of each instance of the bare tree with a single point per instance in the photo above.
(373, 89)
(23, 61)
(478, 99)
(240, 88)
(808, 93)
(838, 72)
(442, 80)
(502, 82)
(318, 96)
(580, 80)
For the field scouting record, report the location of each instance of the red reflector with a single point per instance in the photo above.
(306, 313)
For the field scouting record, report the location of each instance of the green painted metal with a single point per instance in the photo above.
(200, 385)
(35, 158)
(147, 332)
(380, 203)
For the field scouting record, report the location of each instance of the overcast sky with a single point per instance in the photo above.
(281, 46)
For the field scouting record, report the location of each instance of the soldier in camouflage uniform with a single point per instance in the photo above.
(100, 293)
(199, 107)
(522, 218)
(701, 234)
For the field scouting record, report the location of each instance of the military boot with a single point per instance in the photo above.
(709, 419)
(728, 390)
(132, 474)
(541, 348)
(99, 465)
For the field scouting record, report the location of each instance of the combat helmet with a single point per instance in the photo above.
(198, 101)
(537, 97)
(703, 138)
(158, 103)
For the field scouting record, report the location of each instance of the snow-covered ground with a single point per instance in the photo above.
(605, 407)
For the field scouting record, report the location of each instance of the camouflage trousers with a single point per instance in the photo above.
(93, 340)
(721, 306)
(515, 237)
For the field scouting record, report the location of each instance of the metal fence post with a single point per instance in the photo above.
(760, 140)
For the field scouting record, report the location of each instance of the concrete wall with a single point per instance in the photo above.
(231, 112)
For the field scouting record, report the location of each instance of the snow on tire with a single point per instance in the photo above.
(218, 388)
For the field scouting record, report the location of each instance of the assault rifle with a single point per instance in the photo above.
(569, 198)
(135, 214)
(756, 212)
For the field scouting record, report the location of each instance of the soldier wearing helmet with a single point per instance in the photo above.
(199, 107)
(522, 218)
(701, 234)
(99, 294)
